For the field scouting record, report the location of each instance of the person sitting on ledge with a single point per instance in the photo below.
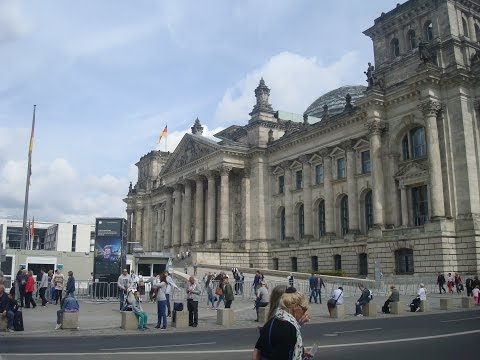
(394, 297)
(139, 312)
(364, 299)
(68, 305)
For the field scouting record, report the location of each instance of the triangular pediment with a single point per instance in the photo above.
(361, 143)
(278, 170)
(411, 169)
(315, 159)
(190, 149)
(337, 151)
(295, 165)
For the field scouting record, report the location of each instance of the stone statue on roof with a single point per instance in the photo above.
(424, 51)
(370, 75)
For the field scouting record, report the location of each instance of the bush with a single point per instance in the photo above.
(341, 273)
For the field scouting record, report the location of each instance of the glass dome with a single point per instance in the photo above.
(335, 100)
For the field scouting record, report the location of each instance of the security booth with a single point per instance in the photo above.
(149, 264)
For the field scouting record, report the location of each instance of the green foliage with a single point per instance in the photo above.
(340, 273)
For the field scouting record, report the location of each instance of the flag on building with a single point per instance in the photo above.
(162, 135)
(32, 229)
(30, 147)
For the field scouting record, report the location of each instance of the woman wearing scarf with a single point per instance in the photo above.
(280, 338)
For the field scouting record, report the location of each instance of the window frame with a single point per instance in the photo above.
(366, 169)
(337, 262)
(282, 225)
(281, 184)
(404, 261)
(368, 211)
(319, 174)
(321, 218)
(428, 28)
(412, 39)
(301, 222)
(344, 216)
(411, 144)
(395, 47)
(341, 170)
(419, 206)
(299, 179)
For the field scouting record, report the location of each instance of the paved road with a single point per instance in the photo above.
(436, 336)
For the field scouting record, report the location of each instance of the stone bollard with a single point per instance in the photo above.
(70, 320)
(446, 304)
(180, 319)
(396, 308)
(369, 309)
(3, 323)
(129, 320)
(424, 306)
(467, 302)
(338, 312)
(225, 317)
(262, 314)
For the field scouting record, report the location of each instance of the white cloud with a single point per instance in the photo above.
(175, 137)
(13, 23)
(295, 82)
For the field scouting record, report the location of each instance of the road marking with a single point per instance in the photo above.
(227, 351)
(351, 331)
(159, 346)
(464, 319)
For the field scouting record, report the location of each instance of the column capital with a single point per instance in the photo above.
(210, 174)
(178, 187)
(198, 177)
(187, 182)
(348, 145)
(376, 127)
(224, 170)
(430, 108)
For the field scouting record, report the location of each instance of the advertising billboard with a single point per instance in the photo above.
(109, 248)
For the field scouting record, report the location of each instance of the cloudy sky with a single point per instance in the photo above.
(107, 76)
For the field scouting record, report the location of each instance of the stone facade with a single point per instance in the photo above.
(393, 178)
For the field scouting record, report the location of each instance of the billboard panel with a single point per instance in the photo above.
(109, 245)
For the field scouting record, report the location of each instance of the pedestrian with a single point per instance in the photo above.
(67, 305)
(43, 286)
(29, 289)
(123, 284)
(171, 286)
(195, 267)
(275, 297)
(13, 312)
(161, 287)
(312, 280)
(475, 292)
(450, 283)
(256, 281)
(458, 283)
(469, 286)
(193, 295)
(70, 289)
(4, 308)
(139, 312)
(58, 281)
(262, 297)
(21, 280)
(50, 290)
(210, 296)
(335, 299)
(318, 287)
(394, 297)
(441, 283)
(141, 286)
(290, 279)
(185, 268)
(219, 292)
(240, 283)
(228, 292)
(364, 299)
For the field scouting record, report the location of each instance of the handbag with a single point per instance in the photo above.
(177, 306)
(219, 291)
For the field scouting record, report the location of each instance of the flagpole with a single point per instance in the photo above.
(27, 186)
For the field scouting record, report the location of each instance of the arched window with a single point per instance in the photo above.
(404, 261)
(395, 47)
(412, 40)
(321, 218)
(465, 27)
(282, 224)
(413, 144)
(362, 264)
(337, 262)
(344, 214)
(301, 222)
(368, 211)
(429, 30)
(477, 31)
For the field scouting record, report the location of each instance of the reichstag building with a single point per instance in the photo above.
(386, 173)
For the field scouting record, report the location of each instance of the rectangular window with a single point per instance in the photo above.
(275, 263)
(281, 184)
(294, 263)
(420, 205)
(366, 162)
(74, 237)
(299, 179)
(318, 174)
(314, 263)
(341, 169)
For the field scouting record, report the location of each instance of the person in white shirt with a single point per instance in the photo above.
(170, 286)
(422, 294)
(335, 299)
(123, 284)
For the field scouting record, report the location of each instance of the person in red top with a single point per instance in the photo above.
(458, 283)
(29, 289)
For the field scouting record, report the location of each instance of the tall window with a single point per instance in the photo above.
(301, 222)
(465, 27)
(281, 184)
(404, 261)
(341, 169)
(314, 260)
(429, 30)
(420, 205)
(294, 263)
(395, 47)
(366, 166)
(275, 263)
(337, 262)
(74, 237)
(282, 224)
(477, 31)
(344, 214)
(321, 218)
(318, 174)
(299, 179)
(362, 264)
(412, 40)
(413, 144)
(368, 211)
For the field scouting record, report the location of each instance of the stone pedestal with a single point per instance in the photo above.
(129, 320)
(181, 319)
(69, 320)
(424, 306)
(446, 304)
(3, 323)
(467, 302)
(225, 317)
(396, 308)
(338, 312)
(369, 309)
(262, 314)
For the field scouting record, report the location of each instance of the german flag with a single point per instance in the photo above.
(162, 135)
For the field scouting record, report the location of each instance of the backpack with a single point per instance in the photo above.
(370, 296)
(18, 321)
(469, 283)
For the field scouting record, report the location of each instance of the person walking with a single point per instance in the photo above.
(21, 280)
(29, 289)
(469, 286)
(193, 295)
(458, 283)
(171, 286)
(70, 288)
(256, 281)
(291, 280)
(262, 298)
(450, 283)
(228, 292)
(312, 281)
(195, 268)
(43, 287)
(441, 283)
(210, 296)
(161, 287)
(123, 284)
(58, 283)
(318, 287)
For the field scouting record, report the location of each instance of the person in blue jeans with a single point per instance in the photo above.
(161, 287)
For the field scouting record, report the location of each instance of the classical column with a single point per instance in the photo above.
(168, 219)
(376, 128)
(430, 110)
(351, 187)
(177, 214)
(199, 206)
(138, 226)
(225, 203)
(392, 191)
(471, 28)
(307, 197)
(404, 204)
(246, 211)
(328, 191)
(129, 225)
(211, 206)
(288, 201)
(187, 214)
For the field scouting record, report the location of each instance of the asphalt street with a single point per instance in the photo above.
(451, 335)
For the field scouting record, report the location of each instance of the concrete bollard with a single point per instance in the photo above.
(338, 312)
(424, 306)
(225, 317)
(180, 319)
(70, 320)
(262, 314)
(446, 304)
(369, 309)
(467, 302)
(396, 308)
(3, 323)
(129, 320)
